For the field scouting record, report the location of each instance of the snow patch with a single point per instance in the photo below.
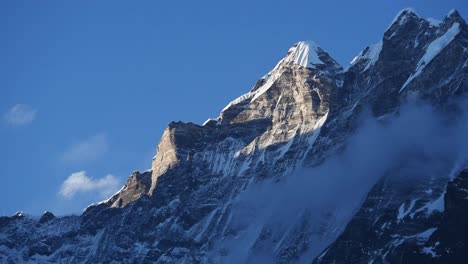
(402, 213)
(210, 120)
(433, 206)
(371, 55)
(403, 19)
(429, 251)
(433, 22)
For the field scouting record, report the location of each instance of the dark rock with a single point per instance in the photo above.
(46, 217)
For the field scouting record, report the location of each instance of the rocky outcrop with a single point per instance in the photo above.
(137, 185)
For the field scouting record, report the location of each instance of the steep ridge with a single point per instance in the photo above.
(398, 221)
(299, 114)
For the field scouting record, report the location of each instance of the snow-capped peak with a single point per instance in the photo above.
(402, 16)
(452, 12)
(453, 15)
(305, 54)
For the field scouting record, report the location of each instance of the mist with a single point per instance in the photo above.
(418, 142)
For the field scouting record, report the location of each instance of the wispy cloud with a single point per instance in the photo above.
(87, 150)
(20, 114)
(79, 182)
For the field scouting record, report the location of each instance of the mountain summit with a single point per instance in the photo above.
(205, 201)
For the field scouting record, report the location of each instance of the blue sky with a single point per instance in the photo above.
(87, 87)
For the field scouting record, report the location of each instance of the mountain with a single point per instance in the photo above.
(281, 176)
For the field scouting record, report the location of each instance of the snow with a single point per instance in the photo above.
(432, 206)
(303, 53)
(429, 251)
(402, 212)
(437, 205)
(424, 236)
(269, 82)
(432, 50)
(433, 22)
(203, 226)
(314, 135)
(19, 214)
(451, 12)
(282, 150)
(270, 78)
(210, 120)
(371, 55)
(244, 167)
(403, 19)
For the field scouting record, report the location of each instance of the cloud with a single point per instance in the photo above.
(79, 182)
(87, 150)
(20, 115)
(419, 144)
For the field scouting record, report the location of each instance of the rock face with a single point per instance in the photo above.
(407, 227)
(299, 114)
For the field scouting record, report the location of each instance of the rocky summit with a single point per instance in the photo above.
(198, 203)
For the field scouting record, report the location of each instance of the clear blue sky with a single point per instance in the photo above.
(91, 85)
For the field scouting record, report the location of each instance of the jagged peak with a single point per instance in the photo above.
(309, 54)
(405, 16)
(305, 54)
(454, 16)
(402, 16)
(453, 13)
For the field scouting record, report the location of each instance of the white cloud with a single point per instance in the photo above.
(87, 150)
(20, 114)
(79, 182)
